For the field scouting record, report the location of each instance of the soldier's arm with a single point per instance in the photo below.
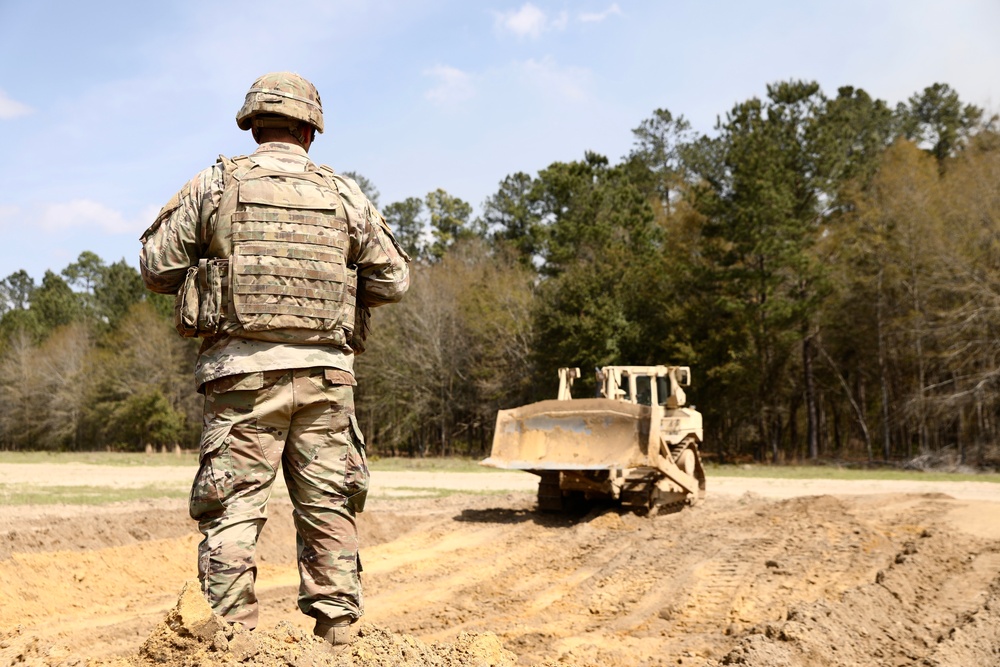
(383, 274)
(173, 242)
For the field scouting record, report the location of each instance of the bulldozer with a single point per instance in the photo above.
(636, 443)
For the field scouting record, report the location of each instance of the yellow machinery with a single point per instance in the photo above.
(636, 443)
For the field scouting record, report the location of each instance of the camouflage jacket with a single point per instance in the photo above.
(182, 234)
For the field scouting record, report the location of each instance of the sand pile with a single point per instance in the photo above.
(192, 636)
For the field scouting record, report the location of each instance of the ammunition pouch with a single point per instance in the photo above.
(200, 305)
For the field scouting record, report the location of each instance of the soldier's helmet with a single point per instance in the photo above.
(285, 94)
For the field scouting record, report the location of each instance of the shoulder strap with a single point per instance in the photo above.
(237, 167)
(233, 171)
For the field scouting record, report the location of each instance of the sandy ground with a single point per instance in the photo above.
(763, 572)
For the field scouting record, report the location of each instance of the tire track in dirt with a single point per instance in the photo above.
(497, 573)
(709, 603)
(519, 579)
(552, 586)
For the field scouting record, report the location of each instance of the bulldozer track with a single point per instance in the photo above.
(709, 604)
(550, 498)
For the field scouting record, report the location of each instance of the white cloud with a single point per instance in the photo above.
(597, 17)
(94, 215)
(453, 85)
(571, 83)
(530, 21)
(12, 108)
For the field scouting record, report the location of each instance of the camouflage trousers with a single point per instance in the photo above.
(302, 420)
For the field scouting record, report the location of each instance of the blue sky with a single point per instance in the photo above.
(107, 108)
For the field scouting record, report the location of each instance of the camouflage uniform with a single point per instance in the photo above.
(271, 402)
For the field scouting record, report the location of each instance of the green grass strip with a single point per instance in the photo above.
(124, 459)
(410, 492)
(466, 464)
(29, 494)
(835, 472)
(447, 464)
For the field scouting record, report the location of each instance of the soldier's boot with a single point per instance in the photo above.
(338, 631)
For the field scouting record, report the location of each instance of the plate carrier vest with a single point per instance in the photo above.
(279, 270)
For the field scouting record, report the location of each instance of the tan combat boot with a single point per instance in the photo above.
(338, 631)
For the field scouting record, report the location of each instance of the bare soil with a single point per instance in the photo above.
(759, 575)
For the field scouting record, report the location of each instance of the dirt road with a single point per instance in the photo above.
(764, 572)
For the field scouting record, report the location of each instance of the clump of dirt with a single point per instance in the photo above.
(192, 636)
(18, 647)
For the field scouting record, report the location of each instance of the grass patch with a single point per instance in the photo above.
(190, 458)
(124, 459)
(834, 472)
(446, 464)
(465, 464)
(411, 492)
(27, 494)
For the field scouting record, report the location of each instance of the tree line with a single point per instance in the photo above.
(829, 266)
(90, 360)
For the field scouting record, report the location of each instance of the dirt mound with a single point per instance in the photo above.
(192, 636)
(937, 603)
(81, 528)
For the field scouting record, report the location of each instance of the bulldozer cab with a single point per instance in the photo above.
(639, 385)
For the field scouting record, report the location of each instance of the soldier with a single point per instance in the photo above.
(275, 263)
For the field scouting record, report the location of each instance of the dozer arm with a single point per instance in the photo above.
(659, 452)
(566, 377)
(660, 457)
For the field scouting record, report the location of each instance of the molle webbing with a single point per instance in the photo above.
(290, 238)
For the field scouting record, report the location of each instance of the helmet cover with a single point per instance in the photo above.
(285, 94)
